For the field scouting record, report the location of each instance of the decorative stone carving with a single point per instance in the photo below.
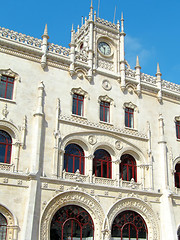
(79, 91)
(8, 72)
(76, 198)
(177, 118)
(106, 99)
(118, 145)
(5, 111)
(106, 85)
(140, 207)
(107, 127)
(92, 139)
(130, 105)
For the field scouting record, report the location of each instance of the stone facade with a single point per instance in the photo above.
(40, 121)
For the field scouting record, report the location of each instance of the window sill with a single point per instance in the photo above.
(82, 117)
(132, 129)
(7, 100)
(106, 123)
(178, 139)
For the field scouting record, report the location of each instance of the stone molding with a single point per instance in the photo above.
(79, 91)
(103, 126)
(140, 207)
(76, 198)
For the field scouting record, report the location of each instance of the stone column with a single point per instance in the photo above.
(168, 227)
(32, 213)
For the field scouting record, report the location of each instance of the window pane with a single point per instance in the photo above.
(9, 91)
(2, 153)
(105, 169)
(76, 165)
(74, 110)
(2, 89)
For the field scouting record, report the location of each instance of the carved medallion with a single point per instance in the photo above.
(118, 145)
(92, 139)
(106, 85)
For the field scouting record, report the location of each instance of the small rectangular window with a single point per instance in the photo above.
(129, 117)
(78, 102)
(178, 129)
(104, 111)
(6, 87)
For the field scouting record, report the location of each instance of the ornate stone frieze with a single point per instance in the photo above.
(170, 86)
(106, 23)
(6, 167)
(20, 38)
(56, 49)
(108, 65)
(101, 126)
(148, 79)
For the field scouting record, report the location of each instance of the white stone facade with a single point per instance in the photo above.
(39, 119)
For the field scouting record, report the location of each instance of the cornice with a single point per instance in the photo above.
(103, 127)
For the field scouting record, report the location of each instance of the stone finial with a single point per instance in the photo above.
(45, 32)
(137, 63)
(122, 23)
(158, 70)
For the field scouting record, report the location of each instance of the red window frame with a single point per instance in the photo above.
(177, 175)
(129, 117)
(178, 129)
(128, 169)
(74, 158)
(3, 227)
(5, 147)
(102, 164)
(129, 223)
(6, 87)
(104, 111)
(71, 220)
(78, 104)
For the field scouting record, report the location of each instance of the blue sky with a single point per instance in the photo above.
(151, 26)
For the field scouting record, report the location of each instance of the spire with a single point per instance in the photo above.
(45, 32)
(137, 63)
(91, 12)
(122, 23)
(158, 70)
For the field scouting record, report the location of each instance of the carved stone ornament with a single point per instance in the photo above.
(130, 105)
(177, 119)
(92, 139)
(5, 111)
(9, 73)
(79, 91)
(106, 99)
(72, 198)
(106, 85)
(118, 145)
(142, 208)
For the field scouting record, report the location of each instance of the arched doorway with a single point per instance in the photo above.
(129, 225)
(72, 223)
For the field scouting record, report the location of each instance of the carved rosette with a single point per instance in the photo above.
(140, 207)
(77, 198)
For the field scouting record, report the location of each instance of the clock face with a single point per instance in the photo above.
(104, 48)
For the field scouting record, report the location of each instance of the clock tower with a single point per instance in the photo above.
(100, 45)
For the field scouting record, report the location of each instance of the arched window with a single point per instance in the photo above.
(74, 158)
(102, 164)
(178, 233)
(5, 147)
(3, 227)
(72, 223)
(177, 175)
(129, 225)
(128, 168)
